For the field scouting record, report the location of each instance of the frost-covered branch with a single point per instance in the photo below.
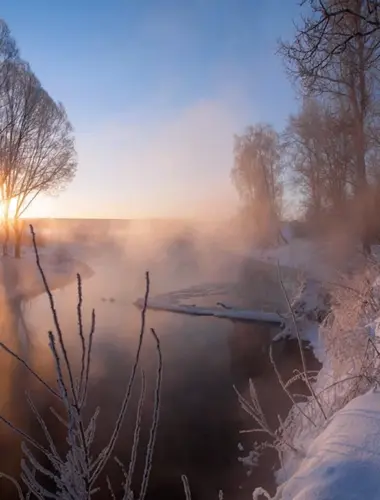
(76, 473)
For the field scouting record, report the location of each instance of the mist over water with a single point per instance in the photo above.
(200, 417)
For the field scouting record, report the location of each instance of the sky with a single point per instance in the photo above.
(155, 90)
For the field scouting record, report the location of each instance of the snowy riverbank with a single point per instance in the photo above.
(21, 278)
(328, 444)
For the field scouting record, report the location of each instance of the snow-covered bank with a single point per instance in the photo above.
(21, 277)
(220, 300)
(318, 260)
(252, 292)
(216, 312)
(343, 462)
(328, 444)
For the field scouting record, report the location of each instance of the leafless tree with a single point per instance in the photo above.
(8, 47)
(257, 176)
(37, 151)
(336, 53)
(303, 139)
(314, 50)
(320, 153)
(339, 153)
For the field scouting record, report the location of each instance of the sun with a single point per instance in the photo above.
(31, 208)
(12, 209)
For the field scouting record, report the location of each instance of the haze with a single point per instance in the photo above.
(155, 92)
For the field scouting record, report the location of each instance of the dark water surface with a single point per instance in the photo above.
(200, 418)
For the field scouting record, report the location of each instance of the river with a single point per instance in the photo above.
(200, 417)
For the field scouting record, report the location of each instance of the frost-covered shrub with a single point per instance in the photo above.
(75, 473)
(344, 319)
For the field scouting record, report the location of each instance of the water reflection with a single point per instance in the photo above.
(200, 417)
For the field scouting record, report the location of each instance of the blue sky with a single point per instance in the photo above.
(155, 90)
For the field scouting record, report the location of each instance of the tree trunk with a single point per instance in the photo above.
(6, 237)
(18, 246)
(6, 227)
(363, 195)
(18, 228)
(360, 102)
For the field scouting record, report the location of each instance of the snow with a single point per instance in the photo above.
(308, 303)
(287, 231)
(217, 312)
(338, 456)
(21, 277)
(343, 462)
(303, 255)
(213, 297)
(310, 307)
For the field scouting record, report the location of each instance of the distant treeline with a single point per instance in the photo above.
(324, 167)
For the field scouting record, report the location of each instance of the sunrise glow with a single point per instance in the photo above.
(12, 209)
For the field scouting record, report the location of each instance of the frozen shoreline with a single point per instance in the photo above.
(21, 278)
(336, 431)
(216, 312)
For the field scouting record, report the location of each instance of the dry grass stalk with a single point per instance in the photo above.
(75, 475)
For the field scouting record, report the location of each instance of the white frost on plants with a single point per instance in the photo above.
(343, 462)
(310, 306)
(338, 456)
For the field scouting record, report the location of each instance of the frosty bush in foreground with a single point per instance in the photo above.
(75, 475)
(350, 368)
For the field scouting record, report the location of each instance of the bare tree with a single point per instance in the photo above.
(313, 49)
(303, 139)
(320, 153)
(8, 48)
(8, 53)
(335, 53)
(257, 176)
(37, 151)
(339, 154)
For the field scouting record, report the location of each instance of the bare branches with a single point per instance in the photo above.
(26, 365)
(106, 453)
(307, 380)
(15, 484)
(285, 386)
(87, 360)
(55, 317)
(253, 408)
(153, 430)
(136, 439)
(186, 487)
(257, 175)
(80, 331)
(321, 150)
(76, 473)
(329, 30)
(37, 152)
(370, 14)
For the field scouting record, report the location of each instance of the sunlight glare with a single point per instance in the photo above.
(12, 209)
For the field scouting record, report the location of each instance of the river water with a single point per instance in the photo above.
(200, 418)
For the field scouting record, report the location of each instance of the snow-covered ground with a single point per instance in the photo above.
(22, 279)
(332, 440)
(343, 462)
